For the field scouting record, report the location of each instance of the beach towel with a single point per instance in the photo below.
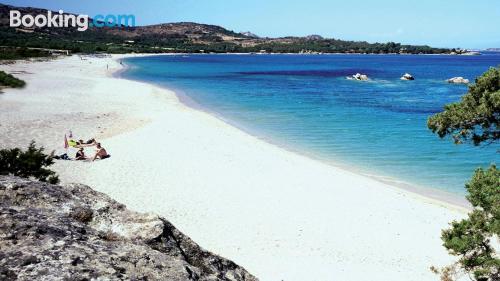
(72, 143)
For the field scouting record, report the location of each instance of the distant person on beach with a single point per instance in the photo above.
(80, 155)
(101, 153)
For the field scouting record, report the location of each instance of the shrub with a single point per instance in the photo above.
(30, 163)
(10, 81)
(15, 53)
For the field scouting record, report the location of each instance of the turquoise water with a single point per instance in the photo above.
(305, 103)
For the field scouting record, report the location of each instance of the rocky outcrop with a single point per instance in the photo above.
(249, 34)
(407, 77)
(314, 37)
(358, 77)
(51, 232)
(458, 80)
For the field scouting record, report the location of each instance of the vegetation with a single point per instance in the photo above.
(475, 239)
(470, 239)
(476, 117)
(97, 40)
(14, 53)
(181, 37)
(31, 163)
(340, 46)
(8, 80)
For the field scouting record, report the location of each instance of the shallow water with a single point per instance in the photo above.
(305, 103)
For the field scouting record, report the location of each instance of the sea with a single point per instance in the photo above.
(305, 104)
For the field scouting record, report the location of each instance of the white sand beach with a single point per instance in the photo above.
(280, 215)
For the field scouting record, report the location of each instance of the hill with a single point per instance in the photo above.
(182, 37)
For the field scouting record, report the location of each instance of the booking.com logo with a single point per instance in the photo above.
(60, 19)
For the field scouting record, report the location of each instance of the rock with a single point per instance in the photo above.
(471, 53)
(358, 77)
(408, 77)
(249, 34)
(52, 232)
(314, 37)
(458, 80)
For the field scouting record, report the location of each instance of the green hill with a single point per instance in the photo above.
(181, 37)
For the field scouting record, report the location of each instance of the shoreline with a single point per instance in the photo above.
(306, 54)
(434, 194)
(279, 214)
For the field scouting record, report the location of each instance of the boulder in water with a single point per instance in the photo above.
(407, 77)
(458, 80)
(359, 77)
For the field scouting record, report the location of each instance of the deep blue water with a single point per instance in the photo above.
(305, 103)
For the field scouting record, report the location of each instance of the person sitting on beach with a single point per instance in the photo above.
(80, 155)
(101, 153)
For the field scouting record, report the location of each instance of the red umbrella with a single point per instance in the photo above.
(65, 142)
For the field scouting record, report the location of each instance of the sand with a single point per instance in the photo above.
(279, 214)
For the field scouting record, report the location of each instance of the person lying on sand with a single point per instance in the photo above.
(80, 155)
(63, 156)
(101, 153)
(90, 142)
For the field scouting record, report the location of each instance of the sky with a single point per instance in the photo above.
(439, 23)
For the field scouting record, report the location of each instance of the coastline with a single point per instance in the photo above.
(308, 54)
(436, 195)
(433, 194)
(205, 197)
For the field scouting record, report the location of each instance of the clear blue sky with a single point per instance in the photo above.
(440, 23)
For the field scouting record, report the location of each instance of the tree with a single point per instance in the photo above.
(29, 163)
(475, 118)
(471, 238)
